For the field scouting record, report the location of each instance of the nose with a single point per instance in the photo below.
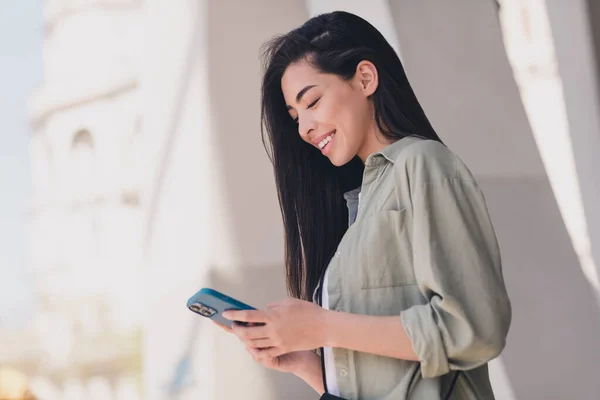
(305, 125)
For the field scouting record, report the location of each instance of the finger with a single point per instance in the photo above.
(252, 351)
(263, 361)
(245, 315)
(224, 327)
(256, 354)
(261, 343)
(269, 352)
(249, 332)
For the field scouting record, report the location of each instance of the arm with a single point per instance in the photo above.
(458, 270)
(384, 336)
(457, 267)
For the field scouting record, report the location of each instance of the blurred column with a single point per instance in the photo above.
(456, 62)
(575, 28)
(212, 217)
(531, 51)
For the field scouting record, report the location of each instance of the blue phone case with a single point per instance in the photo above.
(210, 303)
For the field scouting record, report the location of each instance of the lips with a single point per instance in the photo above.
(326, 141)
(318, 140)
(328, 144)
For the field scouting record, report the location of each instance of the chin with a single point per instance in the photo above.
(339, 161)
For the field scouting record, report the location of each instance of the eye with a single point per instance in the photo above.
(311, 105)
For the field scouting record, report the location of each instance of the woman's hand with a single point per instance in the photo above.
(296, 362)
(290, 325)
(291, 362)
(304, 364)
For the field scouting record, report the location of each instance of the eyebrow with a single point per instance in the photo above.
(301, 93)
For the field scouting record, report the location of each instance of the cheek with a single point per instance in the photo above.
(349, 142)
(353, 117)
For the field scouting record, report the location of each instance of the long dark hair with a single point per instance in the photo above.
(309, 187)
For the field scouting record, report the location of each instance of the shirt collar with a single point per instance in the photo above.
(352, 195)
(388, 154)
(391, 151)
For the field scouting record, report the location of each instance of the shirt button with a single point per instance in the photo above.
(343, 372)
(337, 253)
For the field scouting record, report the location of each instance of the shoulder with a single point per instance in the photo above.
(429, 161)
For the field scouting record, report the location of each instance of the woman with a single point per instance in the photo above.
(385, 228)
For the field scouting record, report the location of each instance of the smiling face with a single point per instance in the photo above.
(334, 115)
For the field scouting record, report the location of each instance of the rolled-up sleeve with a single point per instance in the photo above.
(458, 270)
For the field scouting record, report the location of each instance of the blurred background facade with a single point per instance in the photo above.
(149, 181)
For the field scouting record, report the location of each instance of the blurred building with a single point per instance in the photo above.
(85, 218)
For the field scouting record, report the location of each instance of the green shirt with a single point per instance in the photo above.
(422, 248)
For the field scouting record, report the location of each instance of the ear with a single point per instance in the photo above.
(366, 77)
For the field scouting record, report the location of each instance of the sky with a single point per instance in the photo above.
(20, 73)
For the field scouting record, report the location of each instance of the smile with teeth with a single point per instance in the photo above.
(324, 142)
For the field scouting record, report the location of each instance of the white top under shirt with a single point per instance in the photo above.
(330, 373)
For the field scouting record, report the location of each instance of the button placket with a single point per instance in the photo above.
(371, 175)
(332, 305)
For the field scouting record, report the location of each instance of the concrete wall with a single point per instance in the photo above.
(576, 32)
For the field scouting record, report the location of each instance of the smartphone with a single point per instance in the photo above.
(210, 303)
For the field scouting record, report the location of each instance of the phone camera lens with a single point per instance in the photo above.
(196, 307)
(203, 310)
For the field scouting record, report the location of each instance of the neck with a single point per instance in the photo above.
(374, 142)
